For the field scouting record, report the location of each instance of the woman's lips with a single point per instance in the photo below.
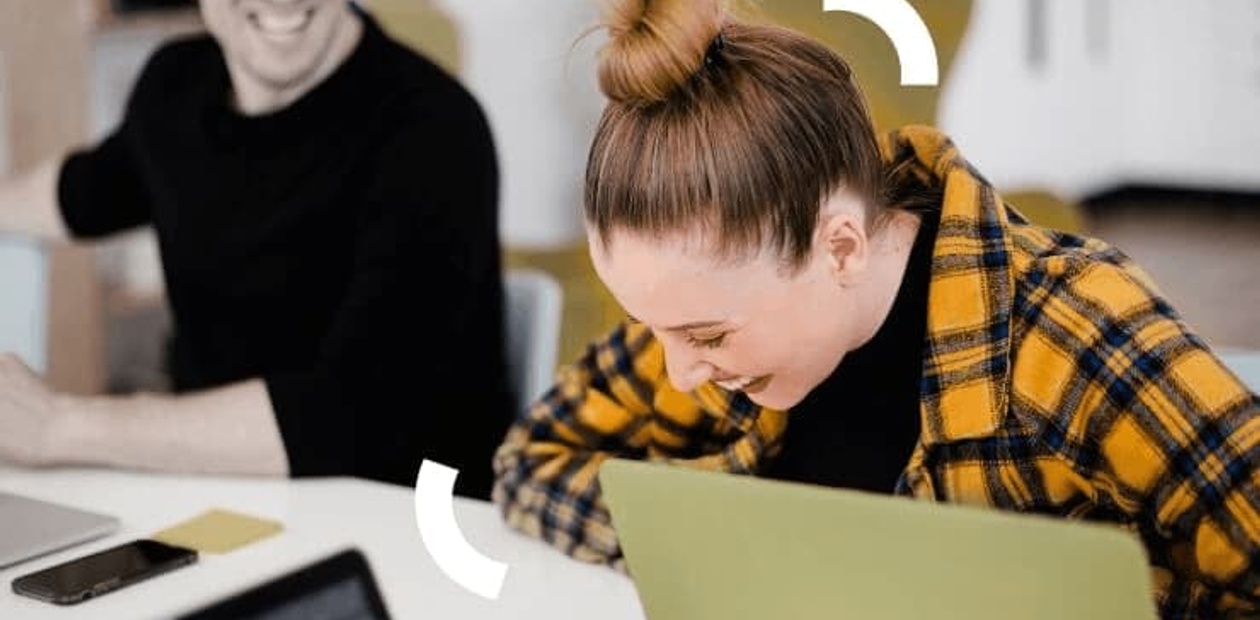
(748, 385)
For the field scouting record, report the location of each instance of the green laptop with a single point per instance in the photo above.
(702, 545)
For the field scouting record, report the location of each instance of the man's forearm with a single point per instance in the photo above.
(228, 430)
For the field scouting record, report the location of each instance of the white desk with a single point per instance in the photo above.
(321, 516)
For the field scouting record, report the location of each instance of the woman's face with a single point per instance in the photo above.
(749, 326)
(280, 44)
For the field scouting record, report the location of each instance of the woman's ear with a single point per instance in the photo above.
(842, 235)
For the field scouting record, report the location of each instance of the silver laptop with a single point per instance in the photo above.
(30, 527)
(704, 546)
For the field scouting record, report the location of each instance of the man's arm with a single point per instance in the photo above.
(28, 203)
(226, 430)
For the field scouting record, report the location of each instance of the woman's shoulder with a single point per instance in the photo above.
(1093, 281)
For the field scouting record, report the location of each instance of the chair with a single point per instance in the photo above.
(1244, 363)
(534, 304)
(24, 312)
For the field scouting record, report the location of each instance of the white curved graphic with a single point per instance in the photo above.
(916, 51)
(435, 517)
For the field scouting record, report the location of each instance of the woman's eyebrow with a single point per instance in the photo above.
(684, 327)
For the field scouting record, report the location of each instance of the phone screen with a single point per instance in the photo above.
(104, 571)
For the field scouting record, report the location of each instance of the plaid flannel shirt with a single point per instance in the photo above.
(1056, 380)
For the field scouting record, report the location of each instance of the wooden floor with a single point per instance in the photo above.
(1204, 257)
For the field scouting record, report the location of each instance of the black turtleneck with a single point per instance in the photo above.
(857, 429)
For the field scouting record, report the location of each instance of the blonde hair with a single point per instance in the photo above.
(737, 130)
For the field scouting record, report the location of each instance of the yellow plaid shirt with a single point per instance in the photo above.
(1056, 381)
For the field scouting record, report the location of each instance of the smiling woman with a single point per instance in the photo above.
(818, 302)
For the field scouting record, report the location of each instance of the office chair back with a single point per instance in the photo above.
(24, 312)
(534, 302)
(1245, 364)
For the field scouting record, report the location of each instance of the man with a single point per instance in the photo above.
(325, 203)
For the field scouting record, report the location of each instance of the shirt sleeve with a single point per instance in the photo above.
(1173, 436)
(616, 402)
(100, 190)
(412, 366)
(547, 466)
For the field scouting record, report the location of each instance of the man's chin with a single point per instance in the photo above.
(281, 78)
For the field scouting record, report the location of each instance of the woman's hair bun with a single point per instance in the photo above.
(655, 46)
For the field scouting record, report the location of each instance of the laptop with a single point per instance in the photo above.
(338, 587)
(32, 528)
(703, 545)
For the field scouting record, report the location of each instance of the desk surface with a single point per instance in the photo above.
(321, 516)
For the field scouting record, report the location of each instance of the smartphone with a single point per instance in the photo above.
(93, 575)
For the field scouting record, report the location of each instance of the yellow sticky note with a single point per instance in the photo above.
(218, 531)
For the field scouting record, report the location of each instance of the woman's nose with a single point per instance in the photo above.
(686, 368)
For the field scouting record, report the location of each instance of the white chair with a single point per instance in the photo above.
(1245, 364)
(24, 311)
(533, 301)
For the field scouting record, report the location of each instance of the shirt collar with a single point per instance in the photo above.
(967, 352)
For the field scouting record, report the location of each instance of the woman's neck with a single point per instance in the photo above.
(891, 248)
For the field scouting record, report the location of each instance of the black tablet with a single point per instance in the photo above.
(339, 587)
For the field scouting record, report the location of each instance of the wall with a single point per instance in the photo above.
(541, 96)
(44, 47)
(1099, 93)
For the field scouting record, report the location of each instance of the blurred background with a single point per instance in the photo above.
(1137, 121)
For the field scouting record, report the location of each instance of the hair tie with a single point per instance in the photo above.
(711, 54)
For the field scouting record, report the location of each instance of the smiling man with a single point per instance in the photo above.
(325, 201)
(276, 50)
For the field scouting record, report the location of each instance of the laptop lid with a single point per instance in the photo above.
(338, 587)
(706, 545)
(32, 527)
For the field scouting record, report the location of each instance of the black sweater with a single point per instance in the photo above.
(858, 428)
(344, 249)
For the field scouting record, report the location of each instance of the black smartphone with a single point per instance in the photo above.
(93, 575)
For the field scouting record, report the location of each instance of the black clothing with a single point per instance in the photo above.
(343, 248)
(858, 428)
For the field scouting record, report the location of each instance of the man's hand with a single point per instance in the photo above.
(27, 409)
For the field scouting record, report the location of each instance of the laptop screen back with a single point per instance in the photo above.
(712, 545)
(33, 527)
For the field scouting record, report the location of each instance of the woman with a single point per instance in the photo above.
(812, 302)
